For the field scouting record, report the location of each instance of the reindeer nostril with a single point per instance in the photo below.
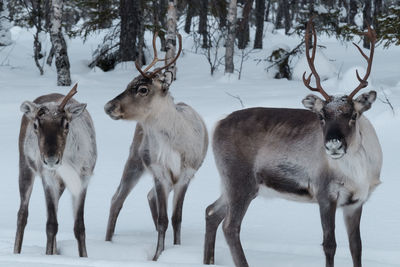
(109, 107)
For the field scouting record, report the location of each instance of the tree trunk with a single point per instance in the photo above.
(163, 7)
(129, 13)
(243, 25)
(203, 22)
(58, 42)
(367, 21)
(220, 7)
(279, 17)
(230, 40)
(286, 15)
(377, 12)
(352, 12)
(5, 35)
(267, 10)
(171, 35)
(189, 15)
(260, 9)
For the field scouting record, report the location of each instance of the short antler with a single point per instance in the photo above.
(156, 59)
(310, 60)
(371, 34)
(68, 97)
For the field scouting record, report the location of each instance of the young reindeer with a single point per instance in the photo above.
(170, 141)
(330, 156)
(57, 142)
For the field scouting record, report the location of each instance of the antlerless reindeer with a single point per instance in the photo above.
(170, 141)
(57, 142)
(330, 156)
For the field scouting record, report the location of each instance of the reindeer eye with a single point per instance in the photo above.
(143, 91)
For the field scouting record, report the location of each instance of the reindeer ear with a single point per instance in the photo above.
(364, 102)
(29, 109)
(75, 110)
(313, 103)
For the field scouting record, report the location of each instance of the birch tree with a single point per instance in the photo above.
(59, 44)
(171, 35)
(230, 40)
(5, 35)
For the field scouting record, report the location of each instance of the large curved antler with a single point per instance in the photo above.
(156, 59)
(71, 93)
(310, 60)
(371, 34)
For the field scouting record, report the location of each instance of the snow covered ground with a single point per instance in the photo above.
(274, 232)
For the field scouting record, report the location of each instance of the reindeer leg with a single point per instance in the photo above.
(162, 191)
(179, 196)
(327, 210)
(352, 217)
(52, 189)
(236, 210)
(79, 226)
(133, 171)
(151, 197)
(26, 179)
(215, 213)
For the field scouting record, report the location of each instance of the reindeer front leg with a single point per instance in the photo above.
(134, 169)
(327, 210)
(79, 225)
(26, 179)
(162, 188)
(52, 190)
(352, 217)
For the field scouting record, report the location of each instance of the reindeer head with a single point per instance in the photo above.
(338, 114)
(144, 93)
(51, 125)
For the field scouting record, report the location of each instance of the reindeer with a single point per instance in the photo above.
(329, 155)
(170, 141)
(57, 142)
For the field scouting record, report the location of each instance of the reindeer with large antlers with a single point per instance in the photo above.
(329, 155)
(56, 142)
(170, 141)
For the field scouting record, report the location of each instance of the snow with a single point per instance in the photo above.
(275, 232)
(323, 66)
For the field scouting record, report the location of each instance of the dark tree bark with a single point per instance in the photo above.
(279, 17)
(267, 10)
(286, 15)
(37, 15)
(243, 25)
(367, 20)
(352, 12)
(130, 25)
(220, 8)
(377, 12)
(190, 12)
(260, 9)
(203, 22)
(163, 7)
(58, 42)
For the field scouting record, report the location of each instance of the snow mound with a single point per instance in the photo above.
(325, 68)
(349, 80)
